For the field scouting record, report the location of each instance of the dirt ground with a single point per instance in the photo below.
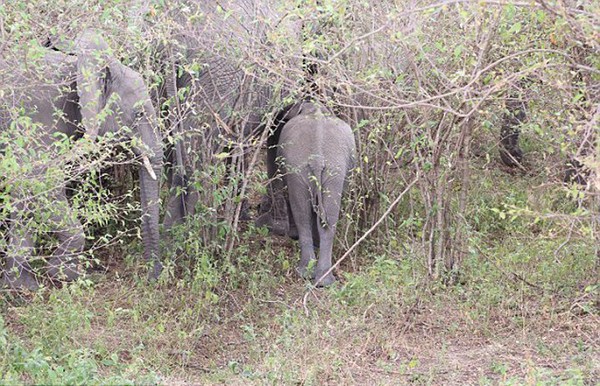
(428, 344)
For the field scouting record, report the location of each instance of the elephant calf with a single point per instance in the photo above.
(316, 151)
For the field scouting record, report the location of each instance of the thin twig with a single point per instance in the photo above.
(508, 274)
(367, 233)
(562, 245)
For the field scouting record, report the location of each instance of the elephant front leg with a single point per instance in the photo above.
(18, 274)
(280, 220)
(64, 263)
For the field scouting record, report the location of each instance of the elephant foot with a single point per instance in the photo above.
(58, 269)
(280, 227)
(303, 271)
(326, 281)
(155, 271)
(19, 281)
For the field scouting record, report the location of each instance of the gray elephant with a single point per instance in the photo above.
(65, 94)
(316, 152)
(226, 93)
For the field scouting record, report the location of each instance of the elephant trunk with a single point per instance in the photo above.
(149, 194)
(150, 168)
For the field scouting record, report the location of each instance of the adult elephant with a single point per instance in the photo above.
(57, 97)
(224, 88)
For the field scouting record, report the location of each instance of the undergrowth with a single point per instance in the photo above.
(524, 309)
(250, 320)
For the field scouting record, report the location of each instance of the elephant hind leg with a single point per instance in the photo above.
(326, 235)
(64, 264)
(301, 207)
(331, 196)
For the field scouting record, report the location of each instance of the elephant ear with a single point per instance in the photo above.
(292, 111)
(93, 59)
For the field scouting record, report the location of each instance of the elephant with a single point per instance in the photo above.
(274, 212)
(64, 95)
(225, 95)
(316, 152)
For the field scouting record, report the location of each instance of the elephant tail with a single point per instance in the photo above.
(316, 186)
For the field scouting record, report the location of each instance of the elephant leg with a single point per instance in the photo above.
(176, 206)
(174, 214)
(326, 235)
(275, 210)
(63, 264)
(301, 207)
(315, 232)
(180, 206)
(265, 215)
(18, 274)
(279, 207)
(326, 227)
(293, 230)
(245, 211)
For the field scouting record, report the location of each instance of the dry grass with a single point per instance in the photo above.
(437, 339)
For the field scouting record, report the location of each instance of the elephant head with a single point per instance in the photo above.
(114, 98)
(218, 68)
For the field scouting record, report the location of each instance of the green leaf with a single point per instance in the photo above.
(222, 156)
(540, 16)
(515, 29)
(458, 51)
(577, 97)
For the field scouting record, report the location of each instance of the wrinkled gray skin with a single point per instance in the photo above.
(229, 94)
(317, 152)
(78, 87)
(275, 213)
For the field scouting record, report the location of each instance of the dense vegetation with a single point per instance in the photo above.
(484, 262)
